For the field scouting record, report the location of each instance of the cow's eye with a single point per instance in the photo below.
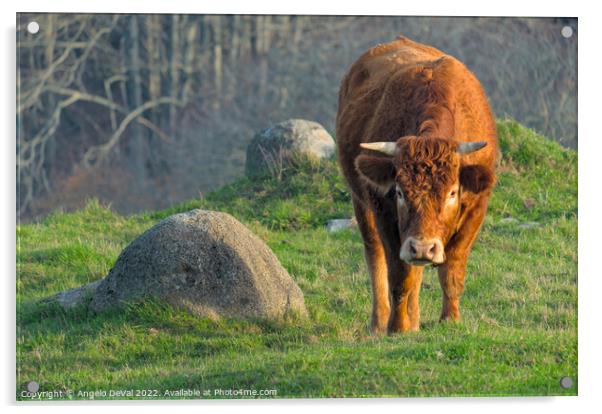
(399, 194)
(452, 194)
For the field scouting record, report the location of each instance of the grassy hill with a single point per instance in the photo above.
(518, 335)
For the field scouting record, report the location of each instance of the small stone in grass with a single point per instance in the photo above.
(528, 225)
(336, 225)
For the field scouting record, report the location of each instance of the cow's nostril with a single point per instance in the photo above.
(413, 249)
(432, 250)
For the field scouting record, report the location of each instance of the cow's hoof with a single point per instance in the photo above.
(449, 318)
(403, 331)
(378, 330)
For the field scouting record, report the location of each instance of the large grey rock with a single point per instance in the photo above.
(280, 145)
(203, 261)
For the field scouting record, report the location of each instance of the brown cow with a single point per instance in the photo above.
(417, 145)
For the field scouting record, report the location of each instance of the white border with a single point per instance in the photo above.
(590, 136)
(340, 7)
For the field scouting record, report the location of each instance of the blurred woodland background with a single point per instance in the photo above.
(143, 111)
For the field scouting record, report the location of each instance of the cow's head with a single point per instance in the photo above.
(430, 187)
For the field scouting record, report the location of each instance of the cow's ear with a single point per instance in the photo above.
(476, 178)
(378, 172)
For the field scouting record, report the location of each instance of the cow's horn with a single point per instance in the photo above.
(468, 147)
(389, 148)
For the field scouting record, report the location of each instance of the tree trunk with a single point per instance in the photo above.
(190, 60)
(174, 70)
(137, 146)
(217, 61)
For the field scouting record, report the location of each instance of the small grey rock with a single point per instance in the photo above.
(336, 225)
(528, 225)
(74, 297)
(278, 146)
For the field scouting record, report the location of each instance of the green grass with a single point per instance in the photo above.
(518, 335)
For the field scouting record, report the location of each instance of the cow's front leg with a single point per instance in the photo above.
(451, 278)
(381, 308)
(405, 284)
(452, 272)
(377, 267)
(414, 302)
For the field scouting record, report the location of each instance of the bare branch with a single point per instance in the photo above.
(96, 154)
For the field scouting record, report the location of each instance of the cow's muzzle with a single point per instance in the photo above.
(420, 252)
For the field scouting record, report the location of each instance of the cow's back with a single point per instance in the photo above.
(382, 90)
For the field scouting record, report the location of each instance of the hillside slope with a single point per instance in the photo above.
(518, 335)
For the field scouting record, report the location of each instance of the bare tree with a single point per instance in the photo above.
(147, 110)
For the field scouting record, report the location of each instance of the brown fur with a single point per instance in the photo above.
(425, 167)
(427, 102)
